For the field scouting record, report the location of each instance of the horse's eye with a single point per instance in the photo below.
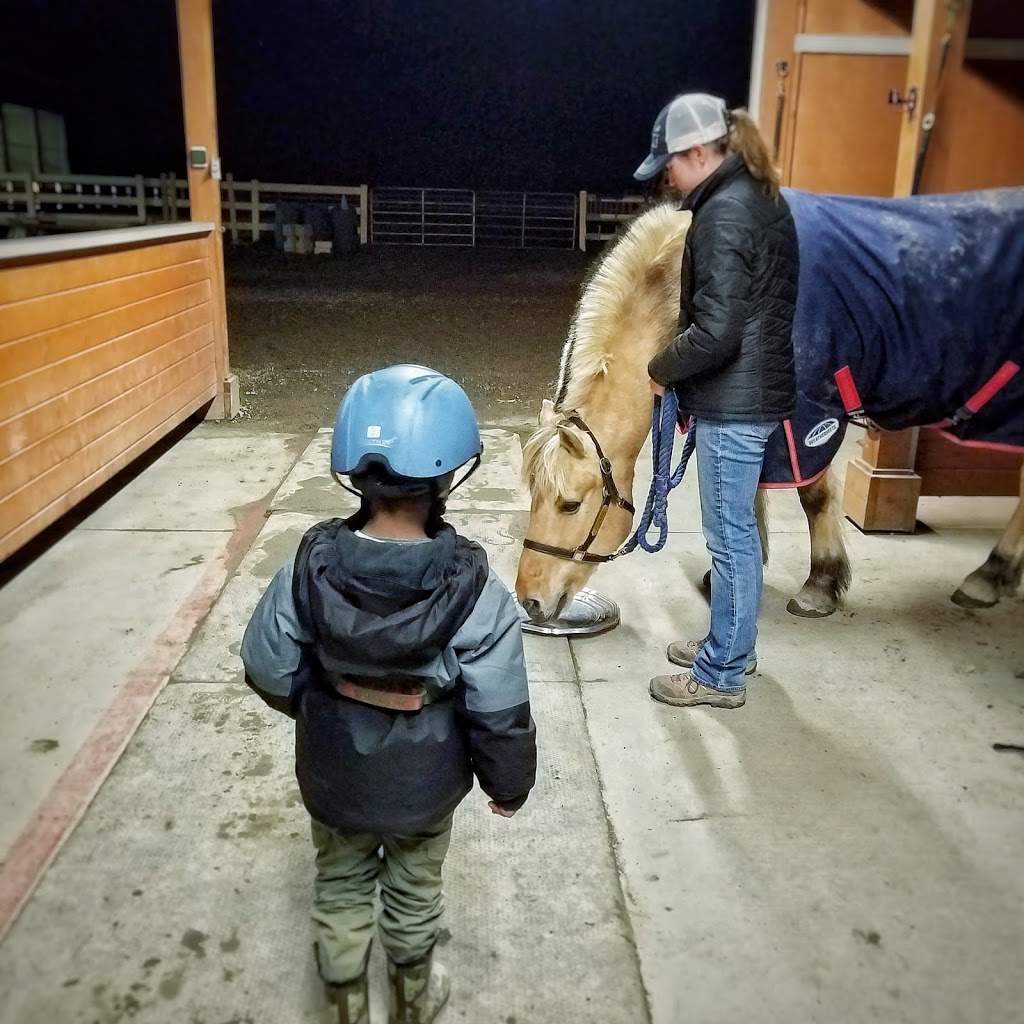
(570, 508)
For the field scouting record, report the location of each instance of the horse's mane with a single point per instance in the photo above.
(627, 282)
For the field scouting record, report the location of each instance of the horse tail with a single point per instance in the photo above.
(746, 139)
(761, 513)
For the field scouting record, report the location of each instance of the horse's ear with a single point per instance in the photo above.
(571, 442)
(548, 416)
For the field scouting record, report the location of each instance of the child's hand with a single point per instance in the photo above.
(498, 809)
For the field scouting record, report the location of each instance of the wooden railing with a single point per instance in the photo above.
(70, 202)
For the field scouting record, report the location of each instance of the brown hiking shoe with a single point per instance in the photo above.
(684, 652)
(683, 691)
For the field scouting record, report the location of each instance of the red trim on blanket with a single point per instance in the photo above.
(995, 446)
(794, 462)
(800, 483)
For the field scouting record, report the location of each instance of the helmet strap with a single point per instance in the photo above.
(472, 469)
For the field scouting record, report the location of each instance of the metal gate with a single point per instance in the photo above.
(433, 216)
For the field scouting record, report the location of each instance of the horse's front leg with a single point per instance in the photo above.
(829, 578)
(1000, 576)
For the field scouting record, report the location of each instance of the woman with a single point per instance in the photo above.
(731, 365)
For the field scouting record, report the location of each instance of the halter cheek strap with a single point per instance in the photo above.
(609, 496)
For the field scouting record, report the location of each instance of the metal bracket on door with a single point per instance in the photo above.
(909, 102)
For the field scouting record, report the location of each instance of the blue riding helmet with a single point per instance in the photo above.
(413, 422)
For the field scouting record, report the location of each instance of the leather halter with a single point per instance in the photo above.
(609, 496)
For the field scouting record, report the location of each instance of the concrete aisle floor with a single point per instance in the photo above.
(847, 847)
(90, 631)
(184, 894)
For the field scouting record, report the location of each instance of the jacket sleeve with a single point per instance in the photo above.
(494, 700)
(722, 298)
(276, 648)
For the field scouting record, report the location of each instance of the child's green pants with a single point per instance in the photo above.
(348, 867)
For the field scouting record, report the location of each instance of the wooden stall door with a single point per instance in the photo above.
(846, 132)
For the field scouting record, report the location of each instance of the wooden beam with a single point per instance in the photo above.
(939, 26)
(199, 104)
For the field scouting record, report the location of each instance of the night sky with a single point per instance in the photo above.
(524, 94)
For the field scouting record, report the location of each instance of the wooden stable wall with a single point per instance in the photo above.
(838, 131)
(106, 344)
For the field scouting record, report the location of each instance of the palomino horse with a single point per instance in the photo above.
(580, 463)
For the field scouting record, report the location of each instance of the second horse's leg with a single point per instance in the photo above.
(829, 578)
(1001, 574)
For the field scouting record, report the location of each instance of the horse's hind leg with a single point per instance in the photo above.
(829, 578)
(1001, 574)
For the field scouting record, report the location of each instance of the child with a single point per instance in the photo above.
(399, 655)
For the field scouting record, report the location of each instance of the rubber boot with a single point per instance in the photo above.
(352, 999)
(417, 991)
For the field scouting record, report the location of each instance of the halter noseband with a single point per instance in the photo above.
(609, 496)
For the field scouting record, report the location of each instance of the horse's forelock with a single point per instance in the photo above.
(547, 466)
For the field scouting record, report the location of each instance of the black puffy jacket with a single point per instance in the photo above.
(733, 357)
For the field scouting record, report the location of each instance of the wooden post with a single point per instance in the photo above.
(364, 214)
(255, 212)
(199, 103)
(232, 209)
(932, 19)
(583, 220)
(30, 197)
(140, 197)
(882, 488)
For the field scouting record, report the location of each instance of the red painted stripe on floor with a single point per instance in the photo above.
(41, 840)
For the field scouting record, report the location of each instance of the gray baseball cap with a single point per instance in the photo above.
(689, 120)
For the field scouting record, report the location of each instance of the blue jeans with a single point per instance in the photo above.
(729, 459)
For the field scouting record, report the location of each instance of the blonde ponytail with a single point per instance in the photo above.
(746, 139)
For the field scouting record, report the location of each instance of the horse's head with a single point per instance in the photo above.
(577, 513)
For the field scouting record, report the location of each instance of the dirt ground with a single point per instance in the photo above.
(302, 328)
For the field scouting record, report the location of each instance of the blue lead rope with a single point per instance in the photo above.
(663, 428)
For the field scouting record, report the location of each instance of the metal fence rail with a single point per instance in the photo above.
(462, 217)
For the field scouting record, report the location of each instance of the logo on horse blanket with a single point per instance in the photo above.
(921, 301)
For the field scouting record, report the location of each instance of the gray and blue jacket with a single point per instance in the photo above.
(432, 612)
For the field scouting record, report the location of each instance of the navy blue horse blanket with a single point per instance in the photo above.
(910, 312)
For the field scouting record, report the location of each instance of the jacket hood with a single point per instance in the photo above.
(396, 605)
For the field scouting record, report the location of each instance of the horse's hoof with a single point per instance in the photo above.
(795, 608)
(964, 600)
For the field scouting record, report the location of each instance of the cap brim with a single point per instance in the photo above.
(651, 166)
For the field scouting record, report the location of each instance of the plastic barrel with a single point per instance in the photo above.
(318, 216)
(345, 225)
(285, 213)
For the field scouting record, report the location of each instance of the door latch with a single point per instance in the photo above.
(908, 102)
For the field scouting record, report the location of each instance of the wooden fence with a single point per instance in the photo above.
(70, 202)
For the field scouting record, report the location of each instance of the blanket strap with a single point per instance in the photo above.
(851, 399)
(848, 392)
(985, 394)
